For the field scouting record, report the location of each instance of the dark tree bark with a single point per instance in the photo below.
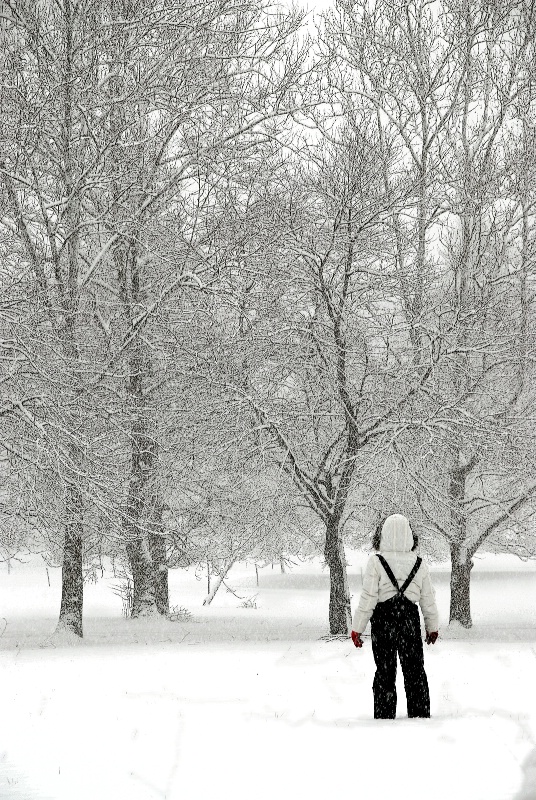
(461, 563)
(146, 548)
(157, 549)
(72, 581)
(141, 566)
(460, 589)
(72, 594)
(340, 615)
(137, 545)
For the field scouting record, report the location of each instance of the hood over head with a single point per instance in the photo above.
(396, 534)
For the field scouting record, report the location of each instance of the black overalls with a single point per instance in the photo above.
(396, 628)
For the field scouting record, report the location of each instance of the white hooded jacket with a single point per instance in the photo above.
(396, 542)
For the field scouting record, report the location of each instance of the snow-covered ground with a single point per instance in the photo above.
(243, 703)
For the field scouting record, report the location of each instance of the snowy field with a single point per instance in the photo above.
(243, 703)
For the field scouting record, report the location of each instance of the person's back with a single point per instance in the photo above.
(395, 618)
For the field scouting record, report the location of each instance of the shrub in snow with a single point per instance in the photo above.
(125, 590)
(179, 614)
(249, 602)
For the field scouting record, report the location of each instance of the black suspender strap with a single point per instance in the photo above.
(389, 572)
(411, 575)
(392, 578)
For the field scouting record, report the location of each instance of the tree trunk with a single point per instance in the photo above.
(461, 563)
(217, 583)
(212, 594)
(72, 578)
(157, 549)
(340, 615)
(72, 589)
(141, 566)
(460, 588)
(142, 514)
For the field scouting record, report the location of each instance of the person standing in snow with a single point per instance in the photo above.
(394, 581)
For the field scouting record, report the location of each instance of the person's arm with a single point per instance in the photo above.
(369, 597)
(428, 606)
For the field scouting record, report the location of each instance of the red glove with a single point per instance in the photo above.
(431, 637)
(356, 639)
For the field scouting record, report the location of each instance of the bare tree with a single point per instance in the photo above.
(190, 138)
(128, 114)
(45, 172)
(325, 388)
(449, 104)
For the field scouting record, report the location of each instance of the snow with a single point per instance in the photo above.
(252, 703)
